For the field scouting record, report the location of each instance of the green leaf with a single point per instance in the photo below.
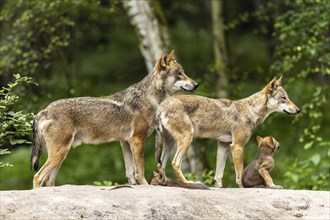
(316, 159)
(308, 145)
(18, 141)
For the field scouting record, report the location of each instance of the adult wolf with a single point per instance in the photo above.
(127, 116)
(180, 118)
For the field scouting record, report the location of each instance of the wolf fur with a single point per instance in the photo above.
(127, 116)
(159, 178)
(184, 117)
(256, 174)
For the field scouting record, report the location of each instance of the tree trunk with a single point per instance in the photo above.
(219, 46)
(152, 34)
(151, 29)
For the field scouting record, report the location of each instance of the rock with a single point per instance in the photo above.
(158, 202)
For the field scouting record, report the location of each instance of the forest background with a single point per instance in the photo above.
(53, 49)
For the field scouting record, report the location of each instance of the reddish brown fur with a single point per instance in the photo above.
(256, 174)
(184, 117)
(127, 116)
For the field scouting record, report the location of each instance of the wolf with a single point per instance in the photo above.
(180, 118)
(127, 116)
(256, 174)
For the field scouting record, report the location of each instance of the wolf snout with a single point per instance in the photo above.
(190, 86)
(292, 112)
(296, 111)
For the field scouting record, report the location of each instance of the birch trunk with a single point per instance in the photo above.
(154, 41)
(153, 36)
(219, 47)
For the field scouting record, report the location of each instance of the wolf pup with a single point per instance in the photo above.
(256, 174)
(181, 118)
(159, 178)
(127, 116)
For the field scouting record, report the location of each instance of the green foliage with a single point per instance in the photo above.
(31, 39)
(106, 183)
(3, 152)
(302, 52)
(88, 48)
(14, 125)
(207, 177)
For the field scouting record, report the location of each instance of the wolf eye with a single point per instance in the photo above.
(284, 97)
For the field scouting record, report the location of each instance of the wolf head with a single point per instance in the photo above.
(173, 76)
(278, 99)
(268, 142)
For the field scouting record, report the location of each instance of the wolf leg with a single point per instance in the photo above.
(168, 145)
(182, 147)
(49, 170)
(136, 144)
(223, 149)
(129, 163)
(237, 152)
(50, 180)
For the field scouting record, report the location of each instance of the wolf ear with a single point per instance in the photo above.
(279, 81)
(270, 142)
(163, 62)
(271, 86)
(155, 173)
(171, 55)
(259, 140)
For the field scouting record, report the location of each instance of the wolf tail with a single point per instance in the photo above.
(37, 147)
(159, 144)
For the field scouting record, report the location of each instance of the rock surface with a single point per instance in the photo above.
(157, 202)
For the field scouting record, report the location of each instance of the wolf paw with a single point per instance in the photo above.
(218, 184)
(277, 187)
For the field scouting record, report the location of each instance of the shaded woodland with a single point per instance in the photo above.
(68, 48)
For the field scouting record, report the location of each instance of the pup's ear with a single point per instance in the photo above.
(171, 55)
(271, 86)
(259, 140)
(279, 81)
(155, 173)
(270, 142)
(163, 62)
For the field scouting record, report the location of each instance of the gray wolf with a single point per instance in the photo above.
(256, 174)
(127, 116)
(181, 118)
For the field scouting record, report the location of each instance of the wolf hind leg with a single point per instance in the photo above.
(183, 144)
(50, 180)
(222, 152)
(129, 162)
(48, 172)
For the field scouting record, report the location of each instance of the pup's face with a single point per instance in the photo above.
(269, 142)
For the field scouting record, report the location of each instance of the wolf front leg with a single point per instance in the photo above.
(129, 162)
(137, 144)
(223, 149)
(237, 151)
(264, 172)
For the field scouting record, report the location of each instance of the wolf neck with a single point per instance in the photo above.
(257, 103)
(153, 85)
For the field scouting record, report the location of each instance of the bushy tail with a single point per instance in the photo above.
(37, 147)
(158, 145)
